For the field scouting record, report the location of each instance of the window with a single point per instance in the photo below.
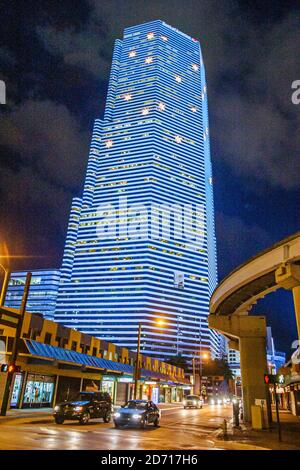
(74, 346)
(48, 337)
(108, 144)
(150, 36)
(161, 106)
(127, 97)
(84, 348)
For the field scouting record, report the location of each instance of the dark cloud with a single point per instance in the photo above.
(49, 139)
(250, 68)
(81, 49)
(43, 162)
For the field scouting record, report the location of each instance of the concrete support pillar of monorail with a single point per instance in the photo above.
(288, 277)
(251, 333)
(296, 296)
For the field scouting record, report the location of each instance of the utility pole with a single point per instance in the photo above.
(137, 368)
(277, 413)
(200, 363)
(14, 353)
(194, 374)
(4, 285)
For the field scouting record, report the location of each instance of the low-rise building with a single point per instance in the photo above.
(56, 362)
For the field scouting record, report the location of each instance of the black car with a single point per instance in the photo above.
(137, 413)
(86, 405)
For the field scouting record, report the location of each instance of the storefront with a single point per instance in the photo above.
(123, 386)
(37, 391)
(108, 385)
(16, 391)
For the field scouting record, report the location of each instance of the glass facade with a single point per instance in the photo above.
(42, 293)
(38, 391)
(140, 245)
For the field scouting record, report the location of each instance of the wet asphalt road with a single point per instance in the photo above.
(179, 429)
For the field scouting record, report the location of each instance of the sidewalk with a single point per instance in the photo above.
(268, 439)
(36, 414)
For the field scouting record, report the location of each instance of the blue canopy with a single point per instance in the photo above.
(54, 353)
(66, 355)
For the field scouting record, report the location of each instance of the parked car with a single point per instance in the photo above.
(193, 401)
(85, 406)
(137, 413)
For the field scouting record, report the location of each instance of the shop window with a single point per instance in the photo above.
(38, 391)
(95, 351)
(74, 345)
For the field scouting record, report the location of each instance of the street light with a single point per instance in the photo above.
(137, 368)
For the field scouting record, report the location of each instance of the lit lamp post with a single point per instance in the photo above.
(202, 356)
(137, 368)
(137, 360)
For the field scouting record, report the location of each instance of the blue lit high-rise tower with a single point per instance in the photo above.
(141, 241)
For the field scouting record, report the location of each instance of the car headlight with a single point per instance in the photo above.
(136, 416)
(194, 402)
(57, 408)
(78, 408)
(212, 401)
(117, 415)
(219, 402)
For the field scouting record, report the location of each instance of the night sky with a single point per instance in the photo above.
(55, 58)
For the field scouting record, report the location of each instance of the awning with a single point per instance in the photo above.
(54, 353)
(46, 351)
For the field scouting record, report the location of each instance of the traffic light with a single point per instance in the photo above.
(274, 379)
(10, 368)
(269, 379)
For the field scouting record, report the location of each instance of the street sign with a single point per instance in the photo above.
(9, 318)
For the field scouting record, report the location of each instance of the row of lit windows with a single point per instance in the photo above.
(149, 60)
(177, 138)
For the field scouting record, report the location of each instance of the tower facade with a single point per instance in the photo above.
(140, 246)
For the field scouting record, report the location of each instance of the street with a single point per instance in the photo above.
(179, 429)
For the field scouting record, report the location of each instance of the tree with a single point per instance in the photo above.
(178, 361)
(217, 367)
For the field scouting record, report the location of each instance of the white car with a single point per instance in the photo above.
(193, 401)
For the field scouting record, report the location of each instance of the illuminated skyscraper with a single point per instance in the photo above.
(141, 240)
